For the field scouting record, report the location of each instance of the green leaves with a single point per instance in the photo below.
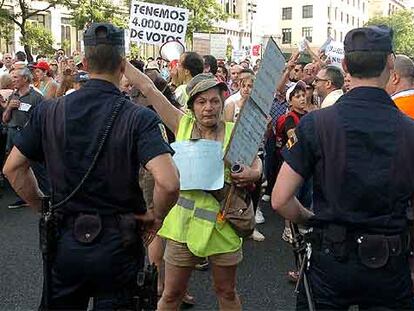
(85, 12)
(38, 38)
(402, 22)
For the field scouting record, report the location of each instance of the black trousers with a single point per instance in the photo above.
(339, 285)
(103, 270)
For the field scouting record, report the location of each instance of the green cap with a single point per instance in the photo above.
(201, 83)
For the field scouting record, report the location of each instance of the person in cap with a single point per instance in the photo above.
(98, 250)
(45, 83)
(190, 228)
(401, 84)
(362, 195)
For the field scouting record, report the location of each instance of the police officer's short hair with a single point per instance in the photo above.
(363, 64)
(404, 66)
(335, 75)
(193, 62)
(103, 58)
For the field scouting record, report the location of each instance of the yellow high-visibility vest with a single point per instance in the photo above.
(193, 220)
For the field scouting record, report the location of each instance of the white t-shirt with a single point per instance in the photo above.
(235, 98)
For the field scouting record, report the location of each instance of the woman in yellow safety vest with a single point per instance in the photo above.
(191, 227)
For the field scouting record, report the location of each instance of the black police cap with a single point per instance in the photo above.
(108, 34)
(369, 39)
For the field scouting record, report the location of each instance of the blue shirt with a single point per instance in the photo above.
(66, 133)
(360, 153)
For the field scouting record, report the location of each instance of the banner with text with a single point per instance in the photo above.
(156, 24)
(335, 53)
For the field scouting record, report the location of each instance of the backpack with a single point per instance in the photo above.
(281, 138)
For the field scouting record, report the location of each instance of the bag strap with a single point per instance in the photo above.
(107, 129)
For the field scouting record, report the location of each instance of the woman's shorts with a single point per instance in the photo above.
(179, 255)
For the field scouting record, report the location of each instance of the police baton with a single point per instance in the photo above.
(299, 250)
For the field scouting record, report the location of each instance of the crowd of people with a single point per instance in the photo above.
(196, 97)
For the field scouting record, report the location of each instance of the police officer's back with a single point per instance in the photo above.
(98, 249)
(358, 153)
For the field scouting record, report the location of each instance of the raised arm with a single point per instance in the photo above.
(170, 115)
(285, 77)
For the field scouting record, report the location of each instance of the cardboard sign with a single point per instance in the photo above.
(210, 44)
(252, 122)
(335, 53)
(157, 24)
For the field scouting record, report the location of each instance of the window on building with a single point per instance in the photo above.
(38, 20)
(65, 35)
(336, 13)
(347, 18)
(353, 2)
(286, 13)
(359, 4)
(353, 21)
(363, 7)
(287, 35)
(329, 13)
(307, 33)
(342, 16)
(307, 11)
(341, 36)
(334, 36)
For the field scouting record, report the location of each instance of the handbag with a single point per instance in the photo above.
(237, 209)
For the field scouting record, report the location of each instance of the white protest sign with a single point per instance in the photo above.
(157, 24)
(335, 53)
(210, 44)
(218, 45)
(252, 123)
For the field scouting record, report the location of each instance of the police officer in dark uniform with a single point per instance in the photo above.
(98, 250)
(360, 153)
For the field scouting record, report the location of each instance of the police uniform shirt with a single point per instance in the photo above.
(137, 137)
(360, 153)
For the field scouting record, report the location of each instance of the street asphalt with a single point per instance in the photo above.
(262, 282)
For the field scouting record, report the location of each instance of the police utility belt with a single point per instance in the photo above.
(373, 250)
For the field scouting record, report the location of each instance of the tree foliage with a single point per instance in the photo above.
(85, 12)
(203, 13)
(6, 30)
(21, 16)
(402, 22)
(39, 39)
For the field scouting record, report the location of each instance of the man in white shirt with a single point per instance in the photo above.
(328, 85)
(236, 97)
(7, 63)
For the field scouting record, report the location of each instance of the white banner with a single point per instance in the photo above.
(335, 53)
(157, 24)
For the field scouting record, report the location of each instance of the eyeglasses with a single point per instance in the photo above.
(319, 79)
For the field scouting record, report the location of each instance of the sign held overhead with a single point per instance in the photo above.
(157, 24)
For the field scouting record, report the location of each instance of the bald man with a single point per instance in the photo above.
(401, 84)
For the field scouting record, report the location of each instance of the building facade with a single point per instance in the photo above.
(318, 20)
(386, 7)
(57, 20)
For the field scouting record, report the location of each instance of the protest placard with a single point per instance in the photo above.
(335, 53)
(157, 24)
(252, 122)
(210, 44)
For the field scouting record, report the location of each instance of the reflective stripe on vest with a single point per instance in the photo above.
(204, 214)
(186, 203)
